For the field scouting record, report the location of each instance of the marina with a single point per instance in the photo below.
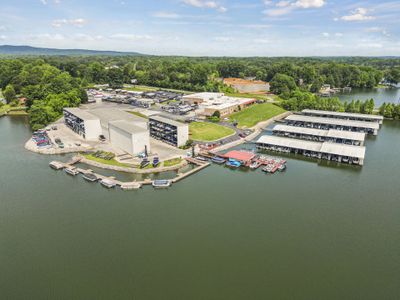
(320, 150)
(320, 135)
(331, 123)
(343, 115)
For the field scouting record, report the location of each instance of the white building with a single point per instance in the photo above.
(125, 131)
(129, 137)
(212, 102)
(169, 131)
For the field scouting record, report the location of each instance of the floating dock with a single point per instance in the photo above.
(332, 123)
(321, 150)
(320, 135)
(343, 115)
(133, 185)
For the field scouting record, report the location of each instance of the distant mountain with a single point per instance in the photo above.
(28, 50)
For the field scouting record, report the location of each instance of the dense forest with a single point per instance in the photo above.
(50, 83)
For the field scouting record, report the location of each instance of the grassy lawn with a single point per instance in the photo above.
(111, 162)
(172, 162)
(136, 113)
(255, 114)
(4, 109)
(203, 131)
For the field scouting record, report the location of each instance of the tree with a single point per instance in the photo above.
(282, 84)
(9, 93)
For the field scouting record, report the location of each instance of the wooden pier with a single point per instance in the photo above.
(133, 185)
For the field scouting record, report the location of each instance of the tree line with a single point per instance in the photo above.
(50, 83)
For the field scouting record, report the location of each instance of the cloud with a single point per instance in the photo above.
(284, 7)
(47, 36)
(326, 34)
(166, 15)
(309, 3)
(130, 37)
(338, 34)
(206, 4)
(359, 14)
(3, 28)
(87, 37)
(223, 39)
(381, 30)
(261, 41)
(3, 37)
(75, 22)
(45, 2)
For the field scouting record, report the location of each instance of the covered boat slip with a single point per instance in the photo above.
(331, 123)
(322, 150)
(320, 135)
(343, 115)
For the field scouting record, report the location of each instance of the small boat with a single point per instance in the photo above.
(90, 177)
(156, 161)
(56, 165)
(161, 183)
(144, 163)
(201, 158)
(218, 160)
(71, 171)
(107, 183)
(282, 168)
(233, 163)
(254, 165)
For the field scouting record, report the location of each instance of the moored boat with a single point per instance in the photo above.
(90, 177)
(218, 160)
(161, 183)
(71, 171)
(233, 163)
(108, 183)
(56, 165)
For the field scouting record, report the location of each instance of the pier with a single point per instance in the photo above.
(343, 115)
(320, 135)
(320, 150)
(332, 123)
(133, 185)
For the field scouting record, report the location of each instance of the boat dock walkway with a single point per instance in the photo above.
(133, 185)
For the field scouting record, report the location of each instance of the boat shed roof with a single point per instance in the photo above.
(240, 155)
(349, 135)
(332, 121)
(325, 147)
(107, 115)
(343, 114)
(290, 143)
(343, 150)
(80, 113)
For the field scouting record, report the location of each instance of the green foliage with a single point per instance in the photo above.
(214, 119)
(9, 93)
(216, 114)
(282, 84)
(390, 110)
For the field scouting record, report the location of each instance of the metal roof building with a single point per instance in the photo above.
(343, 115)
(322, 150)
(322, 135)
(332, 123)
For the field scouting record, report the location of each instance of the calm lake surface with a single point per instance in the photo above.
(380, 95)
(313, 232)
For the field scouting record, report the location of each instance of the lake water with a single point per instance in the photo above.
(380, 95)
(316, 231)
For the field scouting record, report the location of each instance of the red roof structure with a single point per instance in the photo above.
(243, 156)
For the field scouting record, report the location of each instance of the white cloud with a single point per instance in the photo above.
(87, 37)
(261, 41)
(47, 36)
(75, 22)
(130, 37)
(309, 3)
(223, 39)
(45, 2)
(166, 15)
(3, 28)
(3, 37)
(284, 7)
(338, 34)
(381, 30)
(206, 4)
(359, 14)
(325, 34)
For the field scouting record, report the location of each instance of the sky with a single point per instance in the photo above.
(207, 27)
